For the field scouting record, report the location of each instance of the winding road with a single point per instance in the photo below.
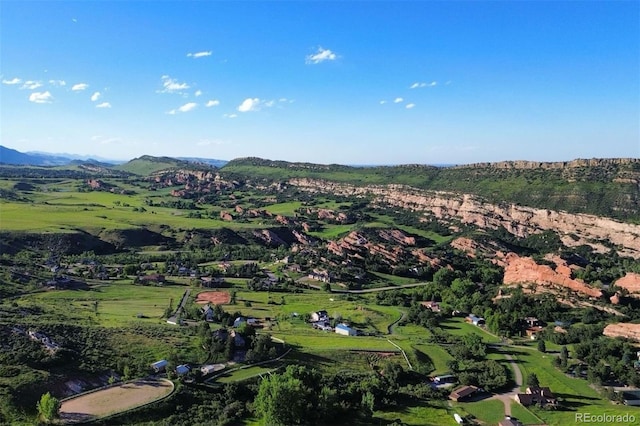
(508, 397)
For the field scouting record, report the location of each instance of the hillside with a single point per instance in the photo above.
(147, 165)
(604, 187)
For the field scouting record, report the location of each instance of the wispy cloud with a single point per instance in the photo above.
(250, 104)
(57, 83)
(419, 85)
(171, 85)
(105, 140)
(41, 97)
(320, 56)
(397, 100)
(409, 106)
(383, 102)
(198, 93)
(230, 115)
(199, 54)
(31, 85)
(190, 106)
(212, 103)
(104, 105)
(95, 96)
(12, 82)
(80, 86)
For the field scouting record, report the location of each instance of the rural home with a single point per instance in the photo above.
(536, 395)
(345, 330)
(475, 320)
(182, 369)
(159, 366)
(532, 332)
(433, 306)
(464, 393)
(319, 316)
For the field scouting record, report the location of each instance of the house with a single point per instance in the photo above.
(239, 321)
(464, 393)
(536, 395)
(319, 316)
(208, 313)
(631, 397)
(532, 322)
(211, 368)
(183, 369)
(253, 322)
(221, 334)
(433, 306)
(345, 330)
(532, 332)
(475, 320)
(444, 379)
(159, 366)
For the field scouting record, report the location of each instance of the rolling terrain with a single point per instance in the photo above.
(109, 253)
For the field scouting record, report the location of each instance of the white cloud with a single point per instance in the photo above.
(383, 102)
(11, 82)
(199, 54)
(184, 108)
(170, 85)
(95, 96)
(104, 105)
(198, 93)
(41, 97)
(212, 103)
(409, 106)
(58, 83)
(80, 86)
(249, 104)
(230, 115)
(31, 85)
(188, 107)
(433, 83)
(397, 100)
(320, 56)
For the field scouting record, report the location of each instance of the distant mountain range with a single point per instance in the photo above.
(12, 156)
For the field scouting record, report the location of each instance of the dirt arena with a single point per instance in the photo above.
(215, 297)
(113, 400)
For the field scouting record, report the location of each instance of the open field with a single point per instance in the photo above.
(114, 400)
(112, 304)
(431, 414)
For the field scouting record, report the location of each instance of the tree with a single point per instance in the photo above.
(532, 380)
(542, 347)
(564, 357)
(48, 407)
(280, 400)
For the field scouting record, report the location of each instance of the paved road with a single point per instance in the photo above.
(368, 290)
(184, 299)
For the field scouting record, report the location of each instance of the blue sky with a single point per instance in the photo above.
(350, 82)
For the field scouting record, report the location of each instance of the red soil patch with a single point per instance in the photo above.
(215, 297)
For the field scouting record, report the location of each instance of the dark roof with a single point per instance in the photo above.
(463, 392)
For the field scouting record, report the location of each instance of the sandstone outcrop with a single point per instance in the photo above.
(575, 229)
(524, 270)
(625, 330)
(630, 282)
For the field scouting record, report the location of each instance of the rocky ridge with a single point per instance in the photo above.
(574, 229)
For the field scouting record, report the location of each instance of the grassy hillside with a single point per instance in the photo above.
(147, 165)
(602, 187)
